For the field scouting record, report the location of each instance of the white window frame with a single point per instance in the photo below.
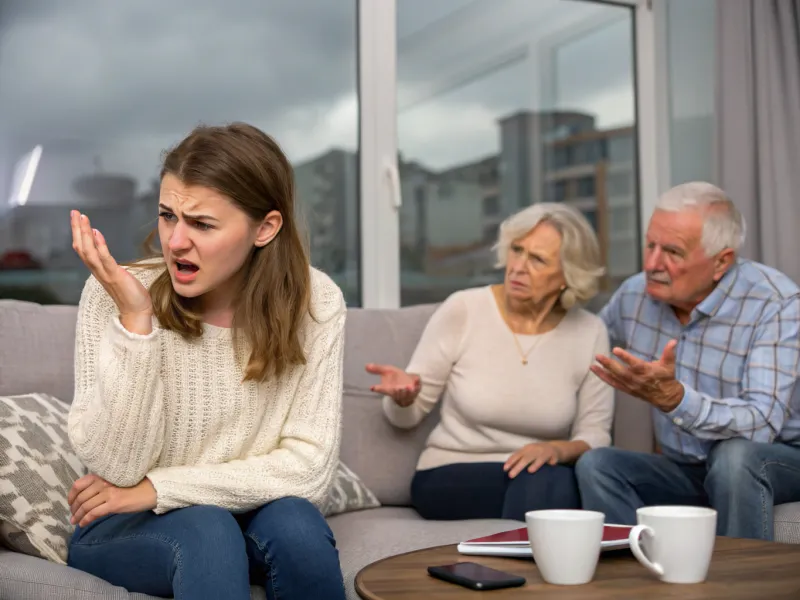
(379, 193)
(380, 197)
(647, 109)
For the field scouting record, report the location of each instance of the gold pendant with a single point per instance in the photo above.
(524, 361)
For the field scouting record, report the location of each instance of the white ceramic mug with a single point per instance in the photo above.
(675, 542)
(565, 544)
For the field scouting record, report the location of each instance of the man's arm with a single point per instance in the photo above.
(768, 383)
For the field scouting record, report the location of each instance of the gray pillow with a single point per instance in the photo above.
(348, 493)
(37, 470)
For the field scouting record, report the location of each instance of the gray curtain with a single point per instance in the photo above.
(758, 124)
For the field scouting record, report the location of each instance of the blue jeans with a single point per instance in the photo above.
(484, 491)
(205, 552)
(742, 480)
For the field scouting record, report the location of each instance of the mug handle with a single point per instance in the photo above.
(633, 540)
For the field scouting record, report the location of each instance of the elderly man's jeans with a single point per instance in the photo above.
(205, 552)
(742, 480)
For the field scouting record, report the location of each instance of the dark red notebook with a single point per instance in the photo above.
(515, 542)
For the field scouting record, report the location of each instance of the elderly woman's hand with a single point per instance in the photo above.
(400, 386)
(532, 456)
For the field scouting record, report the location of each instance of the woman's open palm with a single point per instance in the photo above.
(130, 296)
(400, 386)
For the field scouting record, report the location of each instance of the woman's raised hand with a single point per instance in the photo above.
(131, 297)
(400, 386)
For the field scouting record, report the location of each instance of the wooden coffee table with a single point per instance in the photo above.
(739, 569)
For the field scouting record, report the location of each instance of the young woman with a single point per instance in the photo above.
(208, 388)
(512, 363)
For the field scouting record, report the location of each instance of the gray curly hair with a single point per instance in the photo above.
(580, 250)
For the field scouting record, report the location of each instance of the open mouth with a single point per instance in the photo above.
(184, 266)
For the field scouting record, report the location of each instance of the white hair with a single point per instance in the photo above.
(723, 224)
(580, 250)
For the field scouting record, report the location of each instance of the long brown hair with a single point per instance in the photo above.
(248, 167)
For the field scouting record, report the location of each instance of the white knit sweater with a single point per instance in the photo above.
(178, 412)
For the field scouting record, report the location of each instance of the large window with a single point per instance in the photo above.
(414, 126)
(92, 92)
(502, 104)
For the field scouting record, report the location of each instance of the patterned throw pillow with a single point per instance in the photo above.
(348, 493)
(37, 470)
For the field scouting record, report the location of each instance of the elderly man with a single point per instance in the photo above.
(712, 345)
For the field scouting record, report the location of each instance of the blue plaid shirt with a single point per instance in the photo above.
(738, 358)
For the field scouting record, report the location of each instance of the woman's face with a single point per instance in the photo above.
(533, 266)
(205, 237)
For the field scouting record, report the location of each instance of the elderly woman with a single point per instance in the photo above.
(512, 363)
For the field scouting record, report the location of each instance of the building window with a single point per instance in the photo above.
(591, 216)
(586, 187)
(620, 184)
(491, 205)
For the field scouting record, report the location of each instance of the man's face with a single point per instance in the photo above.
(676, 265)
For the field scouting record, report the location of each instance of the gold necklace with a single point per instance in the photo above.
(524, 355)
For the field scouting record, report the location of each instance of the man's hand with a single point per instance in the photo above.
(92, 497)
(532, 456)
(653, 382)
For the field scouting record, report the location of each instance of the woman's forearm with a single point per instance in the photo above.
(570, 451)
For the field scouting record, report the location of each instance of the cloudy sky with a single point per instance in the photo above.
(110, 84)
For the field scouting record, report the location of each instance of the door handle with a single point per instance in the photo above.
(393, 175)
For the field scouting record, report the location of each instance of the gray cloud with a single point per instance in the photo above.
(119, 81)
(104, 69)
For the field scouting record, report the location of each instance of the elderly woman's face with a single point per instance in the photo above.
(533, 266)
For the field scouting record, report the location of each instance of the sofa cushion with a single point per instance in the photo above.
(37, 470)
(29, 578)
(381, 336)
(37, 349)
(787, 523)
(348, 493)
(383, 456)
(370, 535)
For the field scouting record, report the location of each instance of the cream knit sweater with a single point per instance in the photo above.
(492, 404)
(177, 412)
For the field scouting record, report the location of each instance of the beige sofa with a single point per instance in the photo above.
(36, 355)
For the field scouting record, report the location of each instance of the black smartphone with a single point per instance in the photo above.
(475, 576)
